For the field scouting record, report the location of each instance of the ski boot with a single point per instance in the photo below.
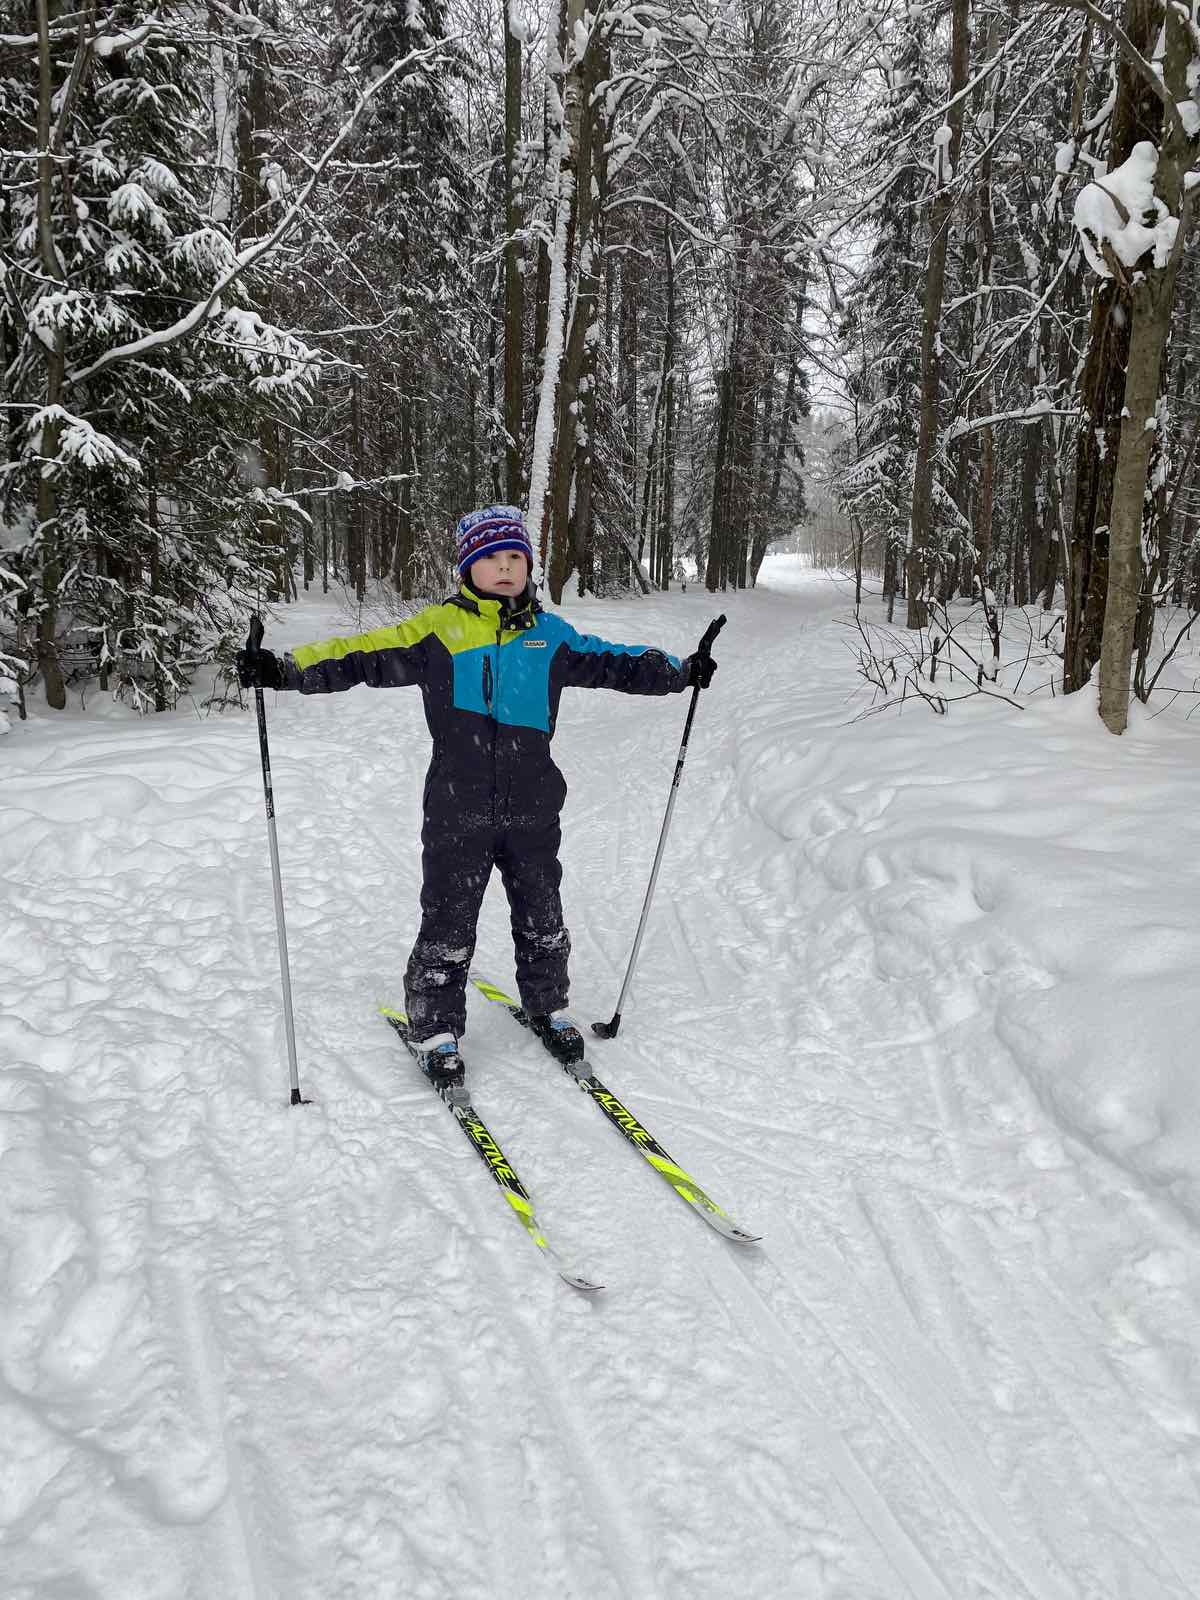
(560, 1036)
(439, 1060)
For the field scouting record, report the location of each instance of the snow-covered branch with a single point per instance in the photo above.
(260, 249)
(1150, 75)
(1025, 416)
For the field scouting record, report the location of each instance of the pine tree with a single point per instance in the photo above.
(880, 332)
(402, 242)
(137, 544)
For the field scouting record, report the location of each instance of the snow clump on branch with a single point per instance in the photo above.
(1121, 217)
(79, 444)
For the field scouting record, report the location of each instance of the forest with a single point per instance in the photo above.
(289, 287)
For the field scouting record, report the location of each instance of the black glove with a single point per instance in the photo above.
(259, 669)
(700, 671)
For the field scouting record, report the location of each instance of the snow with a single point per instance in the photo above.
(123, 40)
(130, 205)
(916, 1001)
(943, 167)
(1122, 211)
(561, 196)
(78, 441)
(157, 177)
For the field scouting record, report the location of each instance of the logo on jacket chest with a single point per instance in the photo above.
(534, 644)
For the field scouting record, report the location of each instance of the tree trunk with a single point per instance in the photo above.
(47, 493)
(497, 491)
(154, 565)
(630, 369)
(1033, 533)
(562, 173)
(1153, 298)
(356, 532)
(1165, 575)
(667, 534)
(1137, 115)
(583, 144)
(514, 397)
(403, 576)
(923, 558)
(986, 500)
(718, 524)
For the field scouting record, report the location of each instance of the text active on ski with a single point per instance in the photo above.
(632, 1129)
(497, 1163)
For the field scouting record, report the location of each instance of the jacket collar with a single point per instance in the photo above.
(520, 611)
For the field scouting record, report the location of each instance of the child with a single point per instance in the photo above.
(490, 664)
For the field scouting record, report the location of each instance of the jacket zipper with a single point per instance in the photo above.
(491, 693)
(496, 807)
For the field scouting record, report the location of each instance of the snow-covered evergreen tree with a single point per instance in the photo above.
(396, 255)
(881, 330)
(133, 383)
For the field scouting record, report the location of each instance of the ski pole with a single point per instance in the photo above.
(253, 644)
(608, 1030)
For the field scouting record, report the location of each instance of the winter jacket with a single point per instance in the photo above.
(491, 672)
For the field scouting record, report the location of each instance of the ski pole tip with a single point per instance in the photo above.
(607, 1030)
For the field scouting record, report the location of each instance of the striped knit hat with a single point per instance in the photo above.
(483, 533)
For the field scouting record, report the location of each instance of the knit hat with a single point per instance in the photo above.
(483, 533)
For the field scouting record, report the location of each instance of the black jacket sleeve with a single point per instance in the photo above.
(586, 661)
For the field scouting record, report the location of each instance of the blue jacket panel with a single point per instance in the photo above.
(491, 674)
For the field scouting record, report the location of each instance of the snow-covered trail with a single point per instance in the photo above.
(250, 1350)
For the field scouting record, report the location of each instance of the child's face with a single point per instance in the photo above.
(504, 573)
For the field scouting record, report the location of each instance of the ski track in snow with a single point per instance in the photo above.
(249, 1350)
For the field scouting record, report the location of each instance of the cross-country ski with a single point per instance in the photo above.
(497, 1163)
(629, 1126)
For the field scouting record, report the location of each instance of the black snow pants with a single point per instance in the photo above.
(457, 863)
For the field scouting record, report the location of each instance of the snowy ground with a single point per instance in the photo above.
(918, 1001)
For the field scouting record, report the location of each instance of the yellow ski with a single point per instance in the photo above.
(633, 1130)
(497, 1163)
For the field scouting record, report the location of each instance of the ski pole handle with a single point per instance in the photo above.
(255, 638)
(704, 651)
(704, 648)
